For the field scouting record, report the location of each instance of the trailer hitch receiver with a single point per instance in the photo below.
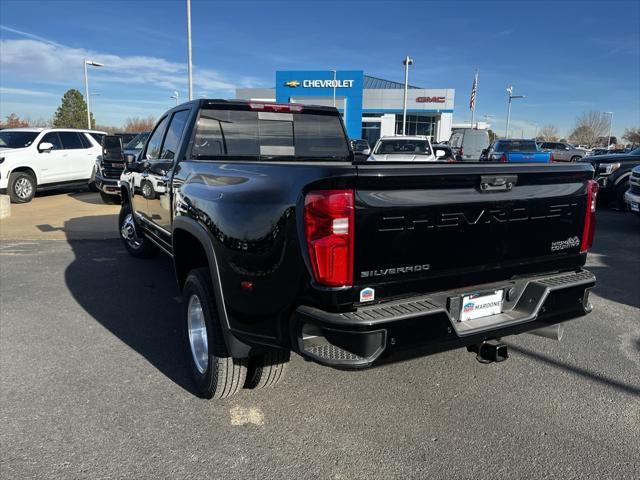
(489, 351)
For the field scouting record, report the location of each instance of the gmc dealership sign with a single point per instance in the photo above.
(430, 100)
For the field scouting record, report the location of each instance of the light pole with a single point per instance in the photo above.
(176, 96)
(189, 66)
(610, 123)
(406, 62)
(334, 88)
(535, 125)
(511, 97)
(86, 62)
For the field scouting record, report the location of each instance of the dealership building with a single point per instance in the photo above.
(371, 107)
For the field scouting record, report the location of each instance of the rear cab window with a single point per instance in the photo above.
(268, 135)
(409, 146)
(516, 146)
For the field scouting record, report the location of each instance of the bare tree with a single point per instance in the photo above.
(590, 128)
(632, 135)
(548, 133)
(136, 124)
(14, 121)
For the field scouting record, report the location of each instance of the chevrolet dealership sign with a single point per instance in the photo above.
(319, 83)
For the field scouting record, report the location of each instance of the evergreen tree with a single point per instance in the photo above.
(72, 112)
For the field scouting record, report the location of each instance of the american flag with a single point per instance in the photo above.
(474, 90)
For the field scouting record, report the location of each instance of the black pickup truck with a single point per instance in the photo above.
(282, 242)
(613, 173)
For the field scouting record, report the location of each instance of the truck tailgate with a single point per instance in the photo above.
(529, 157)
(457, 224)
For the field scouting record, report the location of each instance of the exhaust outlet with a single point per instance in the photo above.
(554, 332)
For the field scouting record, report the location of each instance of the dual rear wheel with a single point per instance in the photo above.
(215, 372)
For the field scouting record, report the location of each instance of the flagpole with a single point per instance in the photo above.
(474, 94)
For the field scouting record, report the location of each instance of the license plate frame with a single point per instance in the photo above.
(481, 304)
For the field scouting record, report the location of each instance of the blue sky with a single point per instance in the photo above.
(566, 57)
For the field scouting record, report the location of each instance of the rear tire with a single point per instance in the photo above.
(267, 370)
(216, 374)
(133, 239)
(577, 158)
(22, 187)
(109, 199)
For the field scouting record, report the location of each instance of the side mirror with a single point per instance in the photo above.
(112, 148)
(130, 160)
(45, 147)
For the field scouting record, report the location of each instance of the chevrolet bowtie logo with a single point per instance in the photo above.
(292, 83)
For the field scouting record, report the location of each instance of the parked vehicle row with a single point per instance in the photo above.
(516, 151)
(286, 243)
(43, 158)
(613, 172)
(563, 152)
(110, 165)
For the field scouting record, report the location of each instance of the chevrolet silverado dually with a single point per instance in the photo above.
(282, 242)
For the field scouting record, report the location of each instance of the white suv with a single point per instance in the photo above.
(44, 158)
(408, 148)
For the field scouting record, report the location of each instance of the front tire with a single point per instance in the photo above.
(577, 158)
(22, 187)
(618, 201)
(216, 374)
(134, 241)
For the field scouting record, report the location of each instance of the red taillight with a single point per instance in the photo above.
(503, 158)
(461, 152)
(276, 107)
(551, 159)
(328, 228)
(589, 216)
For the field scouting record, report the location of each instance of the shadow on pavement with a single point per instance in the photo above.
(88, 197)
(609, 382)
(617, 246)
(135, 299)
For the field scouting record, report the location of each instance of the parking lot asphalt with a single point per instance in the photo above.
(94, 384)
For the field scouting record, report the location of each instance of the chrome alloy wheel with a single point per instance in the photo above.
(128, 232)
(198, 334)
(23, 188)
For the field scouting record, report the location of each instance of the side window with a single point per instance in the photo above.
(86, 143)
(174, 134)
(53, 139)
(70, 140)
(155, 142)
(97, 137)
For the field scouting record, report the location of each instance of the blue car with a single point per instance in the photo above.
(516, 151)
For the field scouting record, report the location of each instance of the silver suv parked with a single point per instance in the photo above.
(563, 152)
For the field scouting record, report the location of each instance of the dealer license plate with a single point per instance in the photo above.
(477, 305)
(635, 207)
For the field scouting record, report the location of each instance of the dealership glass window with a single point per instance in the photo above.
(417, 125)
(371, 132)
